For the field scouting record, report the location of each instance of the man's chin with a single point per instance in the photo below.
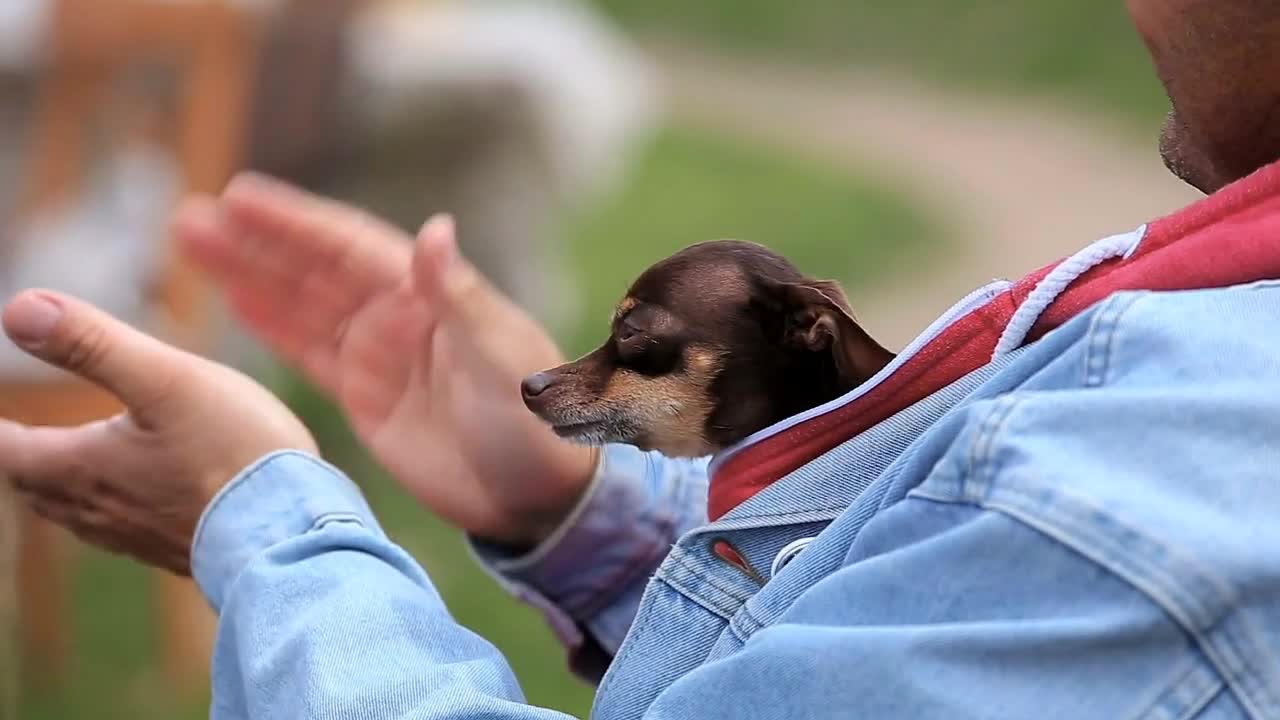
(1185, 159)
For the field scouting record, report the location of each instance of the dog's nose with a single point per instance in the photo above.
(535, 384)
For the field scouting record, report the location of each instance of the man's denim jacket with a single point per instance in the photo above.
(1086, 527)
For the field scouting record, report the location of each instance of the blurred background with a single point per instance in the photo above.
(912, 149)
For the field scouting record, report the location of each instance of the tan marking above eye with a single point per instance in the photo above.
(627, 305)
(703, 362)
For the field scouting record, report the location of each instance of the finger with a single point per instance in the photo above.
(75, 513)
(300, 224)
(296, 322)
(54, 510)
(442, 276)
(301, 336)
(295, 267)
(368, 401)
(103, 529)
(74, 336)
(379, 353)
(388, 333)
(435, 251)
(454, 289)
(291, 275)
(51, 460)
(197, 230)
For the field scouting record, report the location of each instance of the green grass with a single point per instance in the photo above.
(1086, 50)
(688, 187)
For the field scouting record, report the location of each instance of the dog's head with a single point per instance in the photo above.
(710, 345)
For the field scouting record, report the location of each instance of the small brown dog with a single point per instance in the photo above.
(716, 342)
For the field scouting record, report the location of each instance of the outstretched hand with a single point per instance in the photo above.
(136, 483)
(422, 354)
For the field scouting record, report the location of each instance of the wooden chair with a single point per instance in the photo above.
(211, 45)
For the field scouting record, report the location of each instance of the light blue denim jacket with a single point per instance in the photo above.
(1088, 527)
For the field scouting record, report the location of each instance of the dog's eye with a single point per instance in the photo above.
(643, 352)
(632, 343)
(628, 334)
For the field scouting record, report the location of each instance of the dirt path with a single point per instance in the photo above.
(1024, 184)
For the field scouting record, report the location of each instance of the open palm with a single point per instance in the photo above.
(423, 355)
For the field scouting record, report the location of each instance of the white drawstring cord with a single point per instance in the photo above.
(1052, 285)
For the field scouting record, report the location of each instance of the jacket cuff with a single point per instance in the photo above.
(283, 495)
(587, 576)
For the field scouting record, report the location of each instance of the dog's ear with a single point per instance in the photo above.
(817, 318)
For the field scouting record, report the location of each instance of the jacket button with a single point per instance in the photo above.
(787, 554)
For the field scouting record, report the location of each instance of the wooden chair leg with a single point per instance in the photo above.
(188, 626)
(45, 552)
(210, 143)
(44, 564)
(9, 667)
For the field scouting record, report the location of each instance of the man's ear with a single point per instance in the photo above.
(819, 319)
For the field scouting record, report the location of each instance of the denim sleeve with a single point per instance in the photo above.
(587, 577)
(321, 616)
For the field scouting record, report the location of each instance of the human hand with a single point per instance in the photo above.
(136, 483)
(422, 354)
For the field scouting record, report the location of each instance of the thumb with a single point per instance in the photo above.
(435, 257)
(75, 336)
(441, 275)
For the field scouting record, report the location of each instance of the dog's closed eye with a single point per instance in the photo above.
(630, 335)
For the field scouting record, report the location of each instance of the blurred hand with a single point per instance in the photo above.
(423, 355)
(138, 482)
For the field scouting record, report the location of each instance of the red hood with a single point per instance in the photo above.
(1228, 238)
